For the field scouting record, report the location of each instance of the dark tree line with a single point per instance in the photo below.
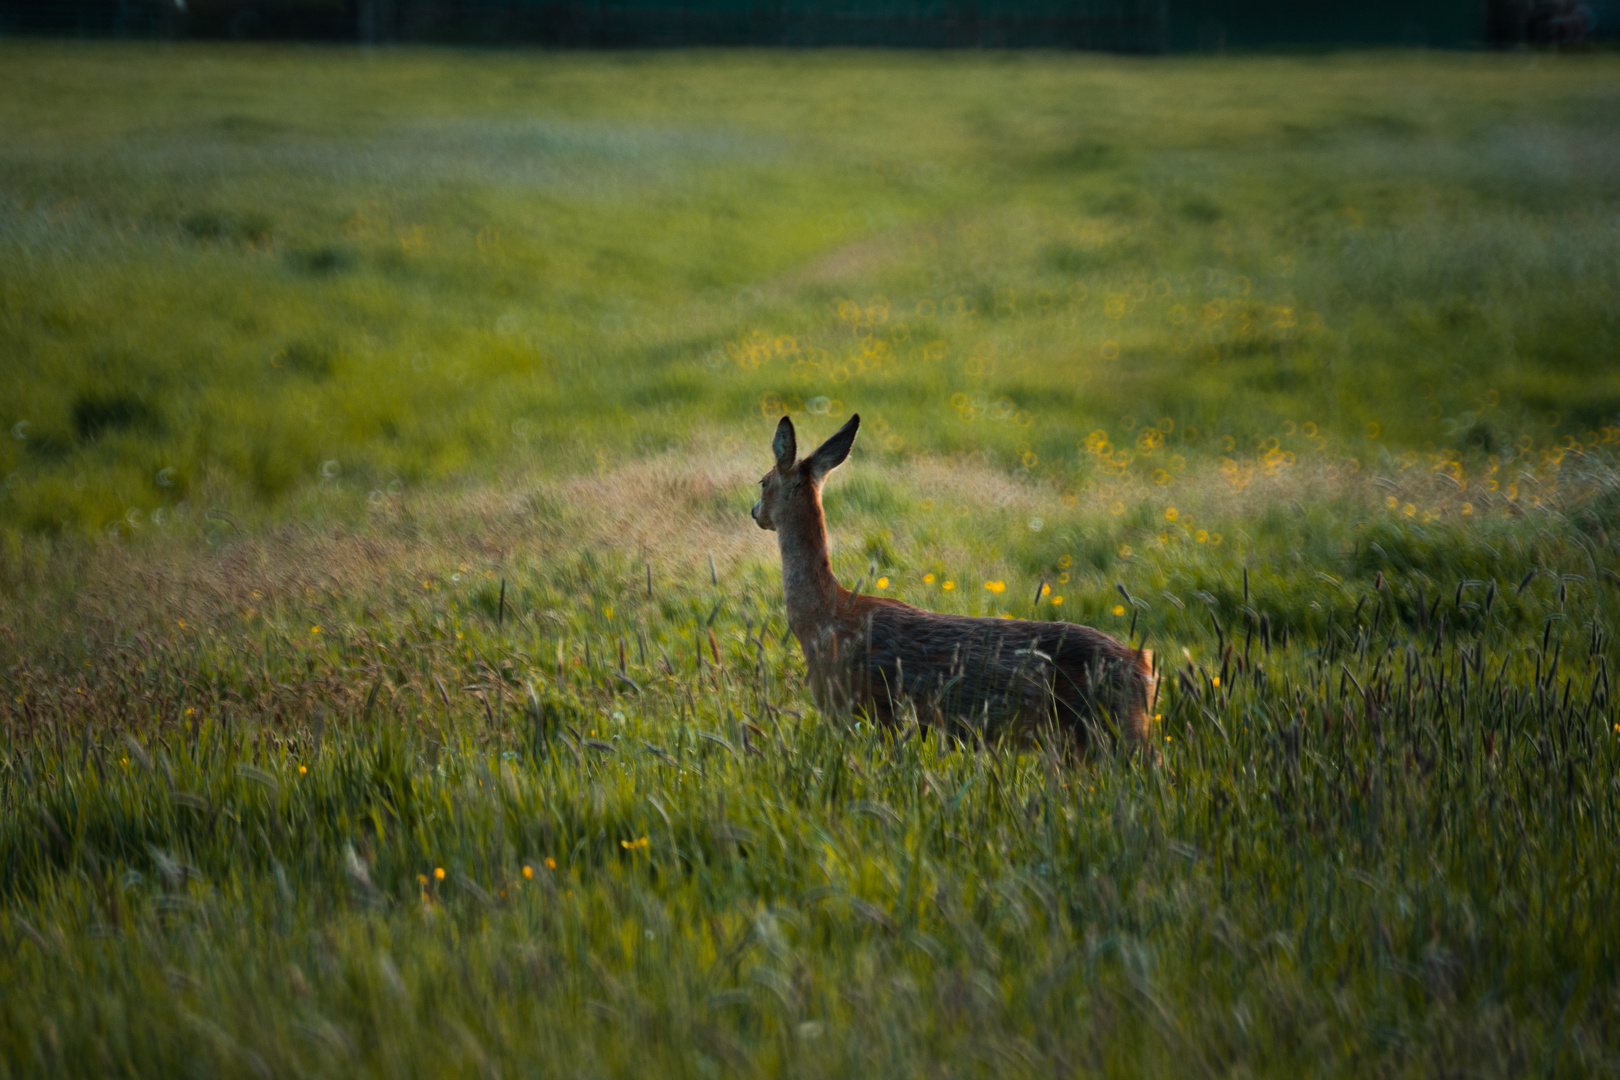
(1112, 25)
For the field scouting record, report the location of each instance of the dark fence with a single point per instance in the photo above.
(1131, 26)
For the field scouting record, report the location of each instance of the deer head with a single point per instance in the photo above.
(795, 485)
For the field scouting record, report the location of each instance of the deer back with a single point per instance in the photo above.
(987, 674)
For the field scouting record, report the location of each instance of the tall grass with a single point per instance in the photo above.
(466, 789)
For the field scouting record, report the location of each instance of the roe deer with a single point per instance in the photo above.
(985, 675)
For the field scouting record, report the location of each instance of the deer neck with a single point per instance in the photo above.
(808, 584)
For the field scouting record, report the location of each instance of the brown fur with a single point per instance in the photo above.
(871, 654)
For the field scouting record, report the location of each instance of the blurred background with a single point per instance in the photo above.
(254, 252)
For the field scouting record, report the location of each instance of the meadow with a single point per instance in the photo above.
(392, 681)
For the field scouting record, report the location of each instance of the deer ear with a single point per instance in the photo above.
(831, 454)
(785, 445)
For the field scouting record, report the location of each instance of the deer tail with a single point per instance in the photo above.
(1144, 696)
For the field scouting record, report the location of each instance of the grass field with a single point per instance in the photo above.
(392, 682)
